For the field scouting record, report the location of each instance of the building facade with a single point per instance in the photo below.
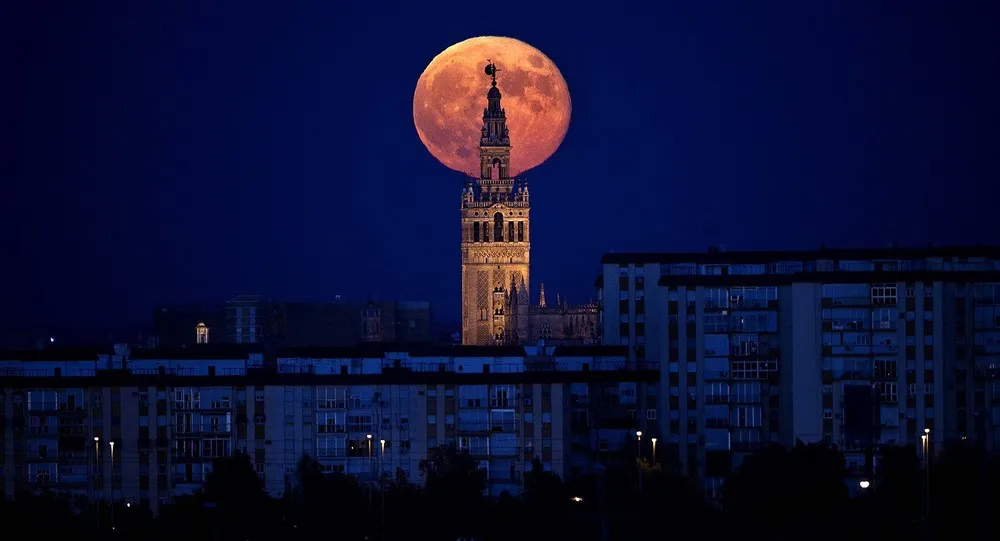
(254, 319)
(856, 347)
(496, 250)
(144, 426)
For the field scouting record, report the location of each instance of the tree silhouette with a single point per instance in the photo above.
(963, 492)
(545, 501)
(242, 509)
(784, 493)
(47, 514)
(454, 486)
(319, 498)
(187, 518)
(893, 506)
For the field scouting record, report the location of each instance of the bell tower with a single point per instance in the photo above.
(495, 235)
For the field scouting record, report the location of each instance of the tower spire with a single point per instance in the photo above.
(494, 143)
(494, 217)
(541, 296)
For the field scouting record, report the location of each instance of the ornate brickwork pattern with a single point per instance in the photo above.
(498, 278)
(482, 303)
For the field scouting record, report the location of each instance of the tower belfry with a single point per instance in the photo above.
(495, 244)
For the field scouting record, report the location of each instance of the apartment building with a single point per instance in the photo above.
(856, 347)
(145, 425)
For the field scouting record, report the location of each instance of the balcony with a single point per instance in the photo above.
(718, 422)
(474, 426)
(503, 426)
(332, 429)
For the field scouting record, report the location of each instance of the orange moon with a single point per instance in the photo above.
(451, 95)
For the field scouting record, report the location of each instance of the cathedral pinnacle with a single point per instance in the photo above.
(541, 298)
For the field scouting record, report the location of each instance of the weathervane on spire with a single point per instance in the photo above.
(491, 70)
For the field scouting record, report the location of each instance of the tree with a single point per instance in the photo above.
(545, 500)
(454, 485)
(241, 508)
(671, 497)
(48, 514)
(963, 492)
(784, 493)
(317, 498)
(893, 507)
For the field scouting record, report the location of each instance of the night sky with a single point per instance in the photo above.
(162, 152)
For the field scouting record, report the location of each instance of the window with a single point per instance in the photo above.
(332, 446)
(887, 391)
(498, 227)
(329, 422)
(884, 294)
(432, 419)
(201, 333)
(502, 396)
(520, 231)
(651, 414)
(186, 399)
(331, 398)
(42, 475)
(885, 368)
(475, 232)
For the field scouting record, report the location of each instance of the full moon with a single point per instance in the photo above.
(451, 95)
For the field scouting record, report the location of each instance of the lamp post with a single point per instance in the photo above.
(112, 444)
(370, 471)
(97, 471)
(925, 441)
(654, 450)
(381, 486)
(638, 460)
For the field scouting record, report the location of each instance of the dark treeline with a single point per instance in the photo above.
(777, 494)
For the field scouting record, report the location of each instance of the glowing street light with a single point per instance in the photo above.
(369, 436)
(577, 499)
(864, 484)
(382, 441)
(654, 449)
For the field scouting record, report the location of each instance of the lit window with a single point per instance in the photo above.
(201, 333)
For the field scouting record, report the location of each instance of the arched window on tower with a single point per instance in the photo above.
(201, 333)
(475, 232)
(510, 231)
(486, 231)
(498, 227)
(495, 169)
(520, 231)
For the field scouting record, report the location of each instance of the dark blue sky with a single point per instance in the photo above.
(191, 151)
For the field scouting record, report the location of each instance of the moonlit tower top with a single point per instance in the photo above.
(495, 247)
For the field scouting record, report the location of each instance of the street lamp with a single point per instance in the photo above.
(369, 436)
(654, 450)
(925, 441)
(97, 471)
(864, 484)
(638, 444)
(382, 441)
(112, 444)
(577, 499)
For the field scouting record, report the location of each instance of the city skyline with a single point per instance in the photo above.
(240, 170)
